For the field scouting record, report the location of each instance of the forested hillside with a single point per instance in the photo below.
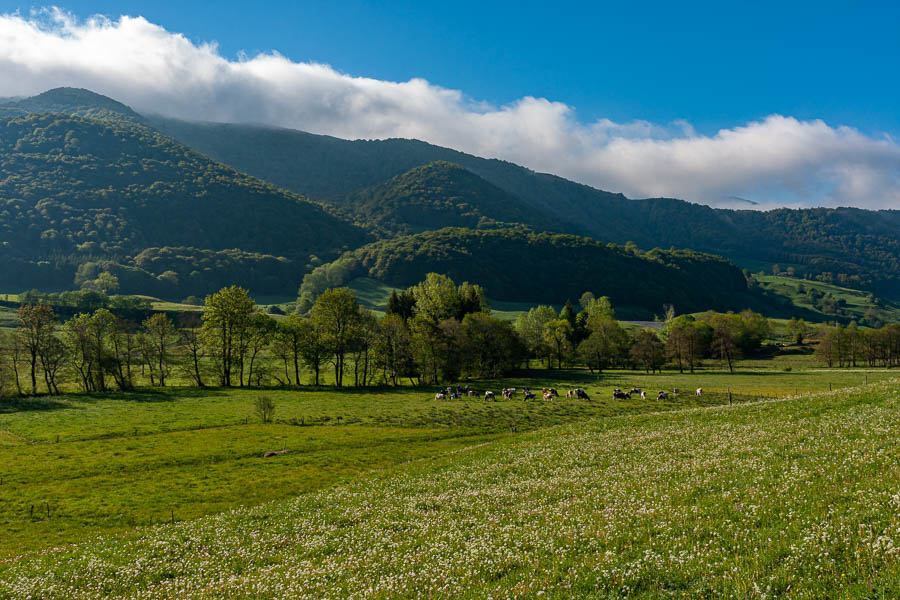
(88, 183)
(849, 246)
(543, 267)
(71, 101)
(76, 190)
(441, 194)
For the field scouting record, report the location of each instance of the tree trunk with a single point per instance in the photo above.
(33, 375)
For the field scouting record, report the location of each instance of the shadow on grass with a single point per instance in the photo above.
(154, 394)
(72, 401)
(32, 403)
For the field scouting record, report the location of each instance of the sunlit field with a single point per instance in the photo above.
(781, 498)
(114, 462)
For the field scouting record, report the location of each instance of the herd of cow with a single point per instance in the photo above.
(547, 394)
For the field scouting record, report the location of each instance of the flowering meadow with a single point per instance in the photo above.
(774, 499)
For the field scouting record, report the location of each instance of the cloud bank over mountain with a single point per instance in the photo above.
(777, 161)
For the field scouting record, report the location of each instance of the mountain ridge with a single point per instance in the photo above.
(852, 247)
(833, 245)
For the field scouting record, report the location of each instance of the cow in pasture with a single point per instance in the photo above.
(569, 393)
(643, 395)
(471, 393)
(635, 390)
(620, 395)
(440, 396)
(581, 394)
(699, 392)
(529, 395)
(675, 391)
(662, 396)
(489, 395)
(548, 396)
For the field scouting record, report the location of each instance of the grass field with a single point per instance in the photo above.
(795, 498)
(110, 463)
(857, 302)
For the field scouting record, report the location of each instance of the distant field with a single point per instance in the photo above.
(374, 295)
(8, 317)
(793, 498)
(857, 302)
(175, 306)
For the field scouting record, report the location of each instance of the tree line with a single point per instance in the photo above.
(851, 346)
(433, 332)
(443, 332)
(594, 338)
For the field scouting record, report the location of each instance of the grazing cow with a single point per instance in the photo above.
(489, 395)
(471, 393)
(662, 396)
(620, 395)
(569, 393)
(635, 390)
(439, 396)
(530, 395)
(699, 392)
(548, 396)
(643, 395)
(552, 392)
(581, 394)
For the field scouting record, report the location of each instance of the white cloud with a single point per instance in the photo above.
(777, 161)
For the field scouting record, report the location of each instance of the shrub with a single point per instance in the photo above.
(264, 408)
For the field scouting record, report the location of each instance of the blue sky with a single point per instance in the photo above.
(784, 103)
(713, 63)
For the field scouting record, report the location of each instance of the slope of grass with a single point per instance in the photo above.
(856, 302)
(790, 499)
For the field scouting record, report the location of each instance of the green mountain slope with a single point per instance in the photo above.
(542, 267)
(71, 101)
(441, 194)
(854, 247)
(102, 184)
(76, 189)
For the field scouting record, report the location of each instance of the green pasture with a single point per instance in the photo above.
(110, 463)
(788, 498)
(857, 301)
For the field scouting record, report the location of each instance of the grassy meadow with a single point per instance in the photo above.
(385, 492)
(857, 302)
(109, 463)
(770, 498)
